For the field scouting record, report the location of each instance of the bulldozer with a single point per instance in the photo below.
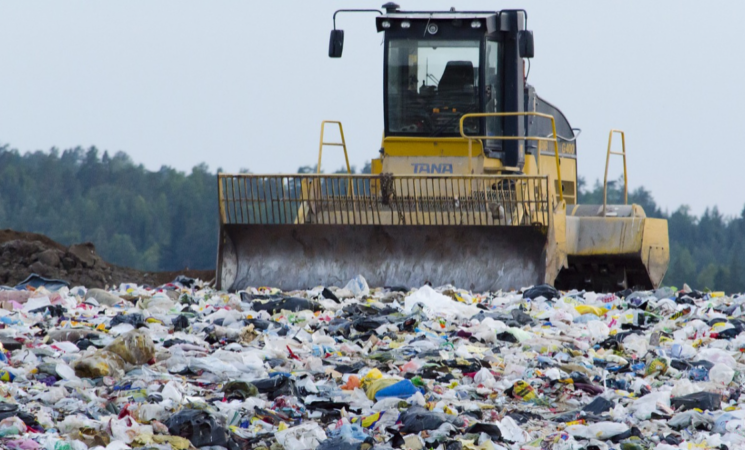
(475, 184)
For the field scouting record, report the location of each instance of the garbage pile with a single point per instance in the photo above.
(25, 256)
(183, 366)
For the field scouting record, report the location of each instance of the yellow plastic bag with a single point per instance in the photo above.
(523, 390)
(368, 421)
(372, 375)
(377, 385)
(587, 309)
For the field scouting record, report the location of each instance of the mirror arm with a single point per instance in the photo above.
(355, 10)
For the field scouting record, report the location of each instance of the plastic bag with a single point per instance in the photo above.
(304, 436)
(135, 347)
(335, 444)
(598, 406)
(416, 419)
(103, 297)
(489, 428)
(401, 389)
(684, 387)
(706, 401)
(484, 377)
(600, 430)
(598, 330)
(437, 304)
(721, 374)
(102, 363)
(180, 322)
(693, 419)
(239, 390)
(285, 304)
(644, 407)
(275, 386)
(198, 427)
(12, 426)
(511, 431)
(358, 286)
(126, 429)
(543, 290)
(372, 387)
(134, 319)
(716, 355)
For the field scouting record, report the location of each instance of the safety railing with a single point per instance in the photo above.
(385, 199)
(607, 162)
(342, 144)
(517, 138)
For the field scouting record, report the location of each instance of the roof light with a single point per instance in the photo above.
(432, 28)
(476, 24)
(386, 24)
(405, 24)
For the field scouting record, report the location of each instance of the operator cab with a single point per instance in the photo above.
(442, 65)
(437, 68)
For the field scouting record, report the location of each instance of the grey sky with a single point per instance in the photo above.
(246, 84)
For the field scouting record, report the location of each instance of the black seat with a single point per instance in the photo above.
(457, 77)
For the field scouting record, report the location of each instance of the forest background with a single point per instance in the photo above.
(167, 220)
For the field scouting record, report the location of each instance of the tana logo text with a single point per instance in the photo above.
(432, 168)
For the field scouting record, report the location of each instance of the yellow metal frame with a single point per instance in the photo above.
(221, 197)
(342, 144)
(518, 138)
(443, 199)
(607, 162)
(416, 146)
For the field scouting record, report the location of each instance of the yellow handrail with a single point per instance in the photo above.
(517, 138)
(342, 144)
(607, 161)
(221, 196)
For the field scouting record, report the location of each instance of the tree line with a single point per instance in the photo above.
(168, 219)
(706, 252)
(150, 220)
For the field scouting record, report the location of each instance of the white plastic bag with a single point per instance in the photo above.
(599, 430)
(437, 305)
(598, 330)
(684, 387)
(305, 436)
(721, 374)
(511, 431)
(716, 356)
(485, 378)
(358, 286)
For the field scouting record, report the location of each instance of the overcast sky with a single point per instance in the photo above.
(240, 84)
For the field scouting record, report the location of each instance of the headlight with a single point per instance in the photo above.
(405, 24)
(386, 24)
(432, 28)
(476, 24)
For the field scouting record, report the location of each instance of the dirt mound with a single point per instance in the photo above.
(22, 254)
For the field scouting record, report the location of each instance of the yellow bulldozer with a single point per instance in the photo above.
(475, 184)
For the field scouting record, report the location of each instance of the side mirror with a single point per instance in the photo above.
(525, 42)
(336, 43)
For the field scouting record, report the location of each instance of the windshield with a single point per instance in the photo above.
(431, 84)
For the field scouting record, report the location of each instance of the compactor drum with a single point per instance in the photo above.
(476, 183)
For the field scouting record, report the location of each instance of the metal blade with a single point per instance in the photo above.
(481, 258)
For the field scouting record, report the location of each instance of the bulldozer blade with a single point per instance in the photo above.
(287, 256)
(609, 254)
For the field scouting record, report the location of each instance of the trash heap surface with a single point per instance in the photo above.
(183, 366)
